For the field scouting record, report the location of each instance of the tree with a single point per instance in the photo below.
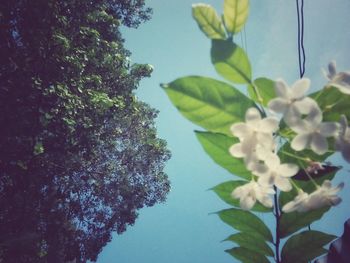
(79, 154)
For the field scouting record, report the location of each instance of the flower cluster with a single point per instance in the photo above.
(258, 148)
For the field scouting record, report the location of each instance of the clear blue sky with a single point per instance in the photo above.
(181, 230)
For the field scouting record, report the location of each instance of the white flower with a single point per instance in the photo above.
(312, 133)
(298, 204)
(250, 192)
(255, 131)
(276, 173)
(324, 195)
(342, 142)
(339, 80)
(291, 102)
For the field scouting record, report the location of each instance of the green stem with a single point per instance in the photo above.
(277, 216)
(296, 157)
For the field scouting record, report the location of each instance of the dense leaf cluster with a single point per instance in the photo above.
(79, 153)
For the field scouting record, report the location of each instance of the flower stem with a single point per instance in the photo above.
(277, 216)
(296, 157)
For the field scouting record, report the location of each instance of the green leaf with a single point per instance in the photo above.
(207, 102)
(294, 221)
(208, 21)
(333, 103)
(246, 255)
(235, 14)
(252, 242)
(245, 222)
(217, 146)
(230, 61)
(305, 246)
(225, 189)
(265, 88)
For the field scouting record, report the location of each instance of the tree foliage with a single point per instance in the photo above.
(79, 154)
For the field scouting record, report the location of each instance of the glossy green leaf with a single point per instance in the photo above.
(217, 145)
(245, 222)
(209, 103)
(235, 14)
(252, 242)
(208, 21)
(246, 255)
(333, 103)
(230, 61)
(305, 246)
(294, 221)
(262, 91)
(225, 189)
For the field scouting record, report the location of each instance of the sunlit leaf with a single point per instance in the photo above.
(262, 91)
(230, 61)
(235, 14)
(209, 103)
(305, 246)
(246, 255)
(208, 21)
(245, 222)
(252, 242)
(225, 189)
(217, 146)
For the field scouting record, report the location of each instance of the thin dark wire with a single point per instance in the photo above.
(299, 55)
(302, 37)
(301, 49)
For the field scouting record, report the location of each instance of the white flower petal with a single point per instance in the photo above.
(265, 144)
(299, 88)
(301, 141)
(328, 129)
(240, 129)
(281, 89)
(249, 144)
(319, 144)
(278, 105)
(272, 161)
(314, 117)
(266, 180)
(252, 116)
(305, 105)
(283, 184)
(247, 202)
(269, 125)
(236, 150)
(266, 201)
(288, 169)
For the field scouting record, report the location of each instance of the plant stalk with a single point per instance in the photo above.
(277, 216)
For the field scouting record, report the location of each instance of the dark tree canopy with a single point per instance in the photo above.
(79, 153)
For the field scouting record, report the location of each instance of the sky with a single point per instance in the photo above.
(184, 228)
